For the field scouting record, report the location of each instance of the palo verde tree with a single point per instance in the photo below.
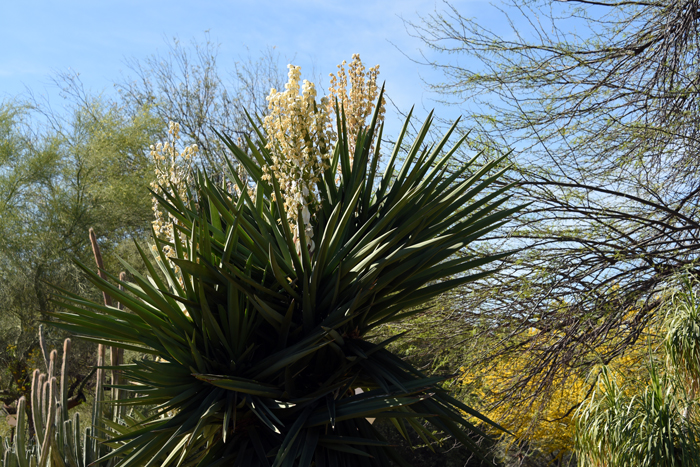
(599, 102)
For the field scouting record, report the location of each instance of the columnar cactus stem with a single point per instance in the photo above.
(52, 363)
(117, 358)
(36, 413)
(97, 413)
(49, 431)
(76, 440)
(42, 345)
(64, 380)
(40, 397)
(116, 355)
(100, 264)
(57, 437)
(20, 440)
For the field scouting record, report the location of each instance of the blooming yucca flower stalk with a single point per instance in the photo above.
(299, 144)
(261, 346)
(173, 170)
(355, 92)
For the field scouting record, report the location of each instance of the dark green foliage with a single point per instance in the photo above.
(617, 426)
(259, 350)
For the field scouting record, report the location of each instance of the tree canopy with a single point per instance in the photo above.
(185, 85)
(598, 101)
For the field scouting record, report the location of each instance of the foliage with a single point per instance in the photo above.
(543, 423)
(59, 176)
(622, 425)
(645, 429)
(539, 426)
(82, 164)
(683, 335)
(598, 101)
(259, 351)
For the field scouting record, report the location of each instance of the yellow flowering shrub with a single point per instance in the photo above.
(545, 421)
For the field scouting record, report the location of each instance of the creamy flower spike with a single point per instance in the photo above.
(301, 134)
(299, 140)
(358, 101)
(172, 172)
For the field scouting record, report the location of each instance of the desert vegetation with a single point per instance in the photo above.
(202, 271)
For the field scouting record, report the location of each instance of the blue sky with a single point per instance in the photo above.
(94, 38)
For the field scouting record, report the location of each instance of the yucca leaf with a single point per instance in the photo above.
(286, 360)
(242, 385)
(285, 228)
(258, 447)
(344, 448)
(361, 409)
(282, 278)
(294, 431)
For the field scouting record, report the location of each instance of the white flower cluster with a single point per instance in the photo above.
(301, 133)
(299, 140)
(172, 172)
(359, 101)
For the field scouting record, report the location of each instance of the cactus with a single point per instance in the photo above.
(116, 355)
(57, 441)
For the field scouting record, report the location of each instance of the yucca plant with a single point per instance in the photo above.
(260, 342)
(683, 335)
